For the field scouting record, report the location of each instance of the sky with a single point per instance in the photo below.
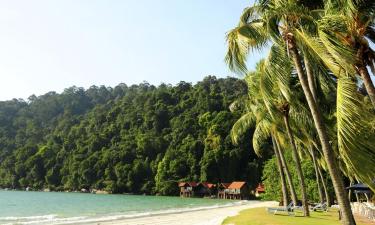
(52, 45)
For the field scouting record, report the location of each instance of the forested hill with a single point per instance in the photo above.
(137, 139)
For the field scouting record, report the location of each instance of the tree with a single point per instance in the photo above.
(263, 110)
(284, 20)
(346, 28)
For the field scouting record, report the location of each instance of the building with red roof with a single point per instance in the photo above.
(259, 189)
(234, 190)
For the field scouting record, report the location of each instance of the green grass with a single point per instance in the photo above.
(259, 216)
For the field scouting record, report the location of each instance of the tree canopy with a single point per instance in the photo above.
(135, 139)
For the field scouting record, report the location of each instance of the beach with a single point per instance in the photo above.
(29, 207)
(213, 216)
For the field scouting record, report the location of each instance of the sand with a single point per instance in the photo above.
(201, 217)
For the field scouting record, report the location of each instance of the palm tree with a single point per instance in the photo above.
(259, 116)
(344, 58)
(320, 191)
(285, 111)
(280, 21)
(345, 30)
(256, 117)
(281, 172)
(326, 193)
(268, 93)
(287, 172)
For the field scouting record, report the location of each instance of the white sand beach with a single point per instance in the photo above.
(213, 216)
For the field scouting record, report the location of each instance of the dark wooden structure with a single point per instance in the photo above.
(238, 190)
(222, 190)
(187, 188)
(211, 189)
(234, 190)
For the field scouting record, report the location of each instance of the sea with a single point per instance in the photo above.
(29, 207)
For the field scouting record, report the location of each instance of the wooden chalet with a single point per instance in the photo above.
(238, 190)
(234, 190)
(194, 189)
(187, 188)
(222, 190)
(201, 190)
(211, 189)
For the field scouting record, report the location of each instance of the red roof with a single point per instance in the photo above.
(237, 185)
(225, 185)
(208, 185)
(211, 185)
(260, 188)
(191, 184)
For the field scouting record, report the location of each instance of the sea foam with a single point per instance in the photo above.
(56, 220)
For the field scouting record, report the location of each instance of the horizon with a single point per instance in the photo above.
(49, 46)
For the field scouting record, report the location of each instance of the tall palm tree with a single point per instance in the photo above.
(285, 111)
(256, 116)
(281, 172)
(346, 29)
(320, 191)
(354, 131)
(325, 188)
(280, 22)
(267, 125)
(268, 91)
(287, 172)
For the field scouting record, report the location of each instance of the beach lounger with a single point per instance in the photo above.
(288, 209)
(320, 207)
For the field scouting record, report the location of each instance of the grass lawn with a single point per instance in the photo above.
(259, 216)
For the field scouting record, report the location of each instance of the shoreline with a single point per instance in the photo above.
(206, 216)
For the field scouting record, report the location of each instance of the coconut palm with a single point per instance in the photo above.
(346, 29)
(269, 94)
(258, 115)
(287, 171)
(281, 172)
(281, 22)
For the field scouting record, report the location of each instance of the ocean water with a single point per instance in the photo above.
(21, 207)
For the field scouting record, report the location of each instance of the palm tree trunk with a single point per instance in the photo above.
(287, 173)
(297, 160)
(368, 83)
(312, 86)
(310, 78)
(338, 184)
(282, 175)
(320, 191)
(325, 188)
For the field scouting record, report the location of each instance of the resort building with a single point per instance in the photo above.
(234, 190)
(186, 188)
(211, 189)
(238, 190)
(194, 189)
(222, 190)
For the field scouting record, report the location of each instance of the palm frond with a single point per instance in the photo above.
(261, 136)
(316, 48)
(355, 139)
(241, 40)
(241, 126)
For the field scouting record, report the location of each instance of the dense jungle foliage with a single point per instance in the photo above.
(134, 139)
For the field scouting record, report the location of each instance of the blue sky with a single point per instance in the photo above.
(51, 45)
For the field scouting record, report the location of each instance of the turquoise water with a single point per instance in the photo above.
(21, 207)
